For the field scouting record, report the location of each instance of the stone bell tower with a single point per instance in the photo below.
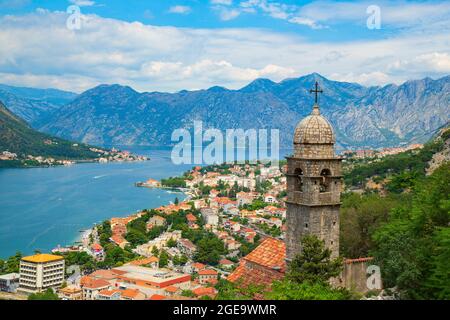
(314, 182)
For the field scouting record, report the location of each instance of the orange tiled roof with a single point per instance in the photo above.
(171, 289)
(42, 258)
(191, 218)
(91, 283)
(207, 272)
(104, 274)
(157, 297)
(97, 246)
(270, 258)
(198, 265)
(213, 281)
(108, 293)
(202, 291)
(130, 293)
(225, 262)
(271, 253)
(145, 261)
(244, 276)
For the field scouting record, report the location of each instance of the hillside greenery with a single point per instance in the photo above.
(407, 228)
(405, 166)
(17, 137)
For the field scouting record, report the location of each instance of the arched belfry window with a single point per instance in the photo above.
(298, 179)
(325, 181)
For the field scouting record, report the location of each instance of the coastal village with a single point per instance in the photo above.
(103, 156)
(240, 209)
(236, 207)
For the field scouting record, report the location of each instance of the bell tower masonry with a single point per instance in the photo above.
(314, 182)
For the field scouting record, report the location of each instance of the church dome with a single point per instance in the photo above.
(314, 129)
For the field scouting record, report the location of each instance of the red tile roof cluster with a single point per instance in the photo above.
(91, 283)
(198, 266)
(97, 247)
(104, 274)
(171, 208)
(191, 218)
(130, 293)
(202, 291)
(157, 297)
(271, 253)
(108, 293)
(262, 266)
(207, 272)
(143, 262)
(226, 262)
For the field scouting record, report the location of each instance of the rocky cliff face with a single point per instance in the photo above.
(362, 117)
(31, 104)
(443, 156)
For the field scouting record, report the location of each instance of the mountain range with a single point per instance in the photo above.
(362, 116)
(32, 104)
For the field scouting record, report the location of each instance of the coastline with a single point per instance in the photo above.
(50, 194)
(83, 237)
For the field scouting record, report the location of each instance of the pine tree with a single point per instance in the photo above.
(314, 263)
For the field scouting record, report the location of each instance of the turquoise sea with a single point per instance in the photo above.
(43, 207)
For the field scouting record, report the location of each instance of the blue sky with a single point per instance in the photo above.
(169, 45)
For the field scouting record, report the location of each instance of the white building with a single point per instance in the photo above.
(210, 216)
(40, 272)
(9, 282)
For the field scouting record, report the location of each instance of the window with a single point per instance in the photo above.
(299, 180)
(325, 182)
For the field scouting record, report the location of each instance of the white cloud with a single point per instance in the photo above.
(38, 50)
(222, 2)
(228, 14)
(367, 79)
(306, 22)
(82, 3)
(321, 14)
(180, 9)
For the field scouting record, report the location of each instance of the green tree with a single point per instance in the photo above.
(46, 295)
(155, 251)
(361, 216)
(411, 246)
(314, 263)
(439, 279)
(163, 259)
(188, 293)
(209, 249)
(171, 243)
(290, 290)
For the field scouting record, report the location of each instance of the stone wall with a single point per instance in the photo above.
(322, 221)
(354, 276)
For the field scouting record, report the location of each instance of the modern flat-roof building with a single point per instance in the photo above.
(40, 272)
(9, 282)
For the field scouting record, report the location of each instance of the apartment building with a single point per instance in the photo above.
(41, 271)
(9, 282)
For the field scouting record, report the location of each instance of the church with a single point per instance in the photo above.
(314, 184)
